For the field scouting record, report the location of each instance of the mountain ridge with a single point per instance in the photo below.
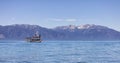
(70, 32)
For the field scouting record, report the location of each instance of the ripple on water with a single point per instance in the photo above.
(24, 62)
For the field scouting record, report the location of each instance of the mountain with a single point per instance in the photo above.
(71, 32)
(21, 31)
(81, 27)
(89, 32)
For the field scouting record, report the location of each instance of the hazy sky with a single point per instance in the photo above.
(51, 13)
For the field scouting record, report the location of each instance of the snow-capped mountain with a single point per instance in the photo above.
(71, 32)
(89, 32)
(86, 26)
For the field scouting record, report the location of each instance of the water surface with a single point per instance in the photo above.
(60, 52)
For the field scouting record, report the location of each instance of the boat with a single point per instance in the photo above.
(35, 38)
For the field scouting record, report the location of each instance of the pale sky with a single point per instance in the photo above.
(52, 13)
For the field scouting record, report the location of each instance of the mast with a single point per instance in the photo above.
(37, 34)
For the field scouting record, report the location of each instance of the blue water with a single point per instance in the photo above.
(60, 52)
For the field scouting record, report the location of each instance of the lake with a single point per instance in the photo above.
(13, 51)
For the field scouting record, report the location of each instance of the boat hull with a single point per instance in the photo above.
(32, 40)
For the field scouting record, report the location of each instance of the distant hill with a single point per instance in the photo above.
(71, 32)
(21, 31)
(89, 32)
